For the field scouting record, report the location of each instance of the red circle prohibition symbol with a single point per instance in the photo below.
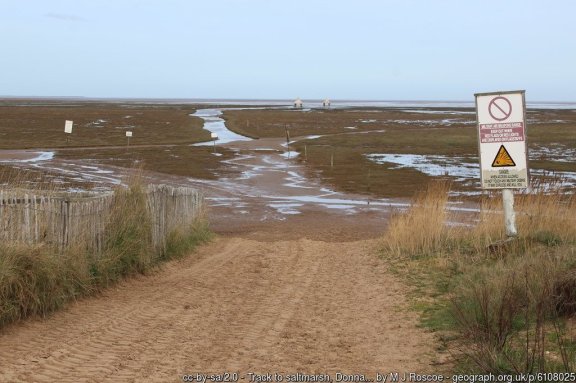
(500, 108)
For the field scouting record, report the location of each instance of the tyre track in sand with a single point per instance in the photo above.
(238, 305)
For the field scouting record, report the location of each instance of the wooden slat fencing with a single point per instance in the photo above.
(33, 217)
(171, 208)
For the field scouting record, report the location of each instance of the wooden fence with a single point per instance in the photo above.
(172, 208)
(70, 219)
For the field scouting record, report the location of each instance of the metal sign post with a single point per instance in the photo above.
(68, 129)
(128, 135)
(501, 118)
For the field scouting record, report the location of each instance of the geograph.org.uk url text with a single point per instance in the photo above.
(379, 377)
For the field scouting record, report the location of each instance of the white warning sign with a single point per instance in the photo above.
(68, 126)
(501, 118)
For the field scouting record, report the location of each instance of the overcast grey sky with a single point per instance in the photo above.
(354, 49)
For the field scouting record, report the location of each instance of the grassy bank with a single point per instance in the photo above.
(38, 279)
(500, 307)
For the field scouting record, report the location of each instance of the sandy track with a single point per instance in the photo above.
(244, 305)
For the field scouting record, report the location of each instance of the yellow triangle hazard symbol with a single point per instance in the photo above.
(503, 158)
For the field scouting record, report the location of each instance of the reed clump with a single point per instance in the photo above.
(421, 230)
(512, 303)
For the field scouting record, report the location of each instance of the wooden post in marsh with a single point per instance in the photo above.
(305, 152)
(332, 158)
(287, 137)
(331, 153)
(369, 183)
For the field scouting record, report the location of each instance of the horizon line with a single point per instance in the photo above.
(208, 99)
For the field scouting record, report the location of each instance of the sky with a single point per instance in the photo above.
(279, 49)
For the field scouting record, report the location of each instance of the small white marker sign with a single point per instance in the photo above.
(128, 134)
(214, 136)
(68, 126)
(501, 118)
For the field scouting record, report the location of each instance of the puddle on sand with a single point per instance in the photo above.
(425, 111)
(290, 154)
(553, 152)
(444, 122)
(336, 202)
(285, 144)
(432, 165)
(84, 174)
(43, 161)
(286, 208)
(38, 156)
(296, 181)
(290, 194)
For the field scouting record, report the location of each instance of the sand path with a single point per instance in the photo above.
(240, 305)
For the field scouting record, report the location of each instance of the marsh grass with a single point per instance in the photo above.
(15, 178)
(127, 248)
(179, 160)
(393, 131)
(421, 230)
(181, 242)
(97, 124)
(35, 280)
(38, 279)
(509, 302)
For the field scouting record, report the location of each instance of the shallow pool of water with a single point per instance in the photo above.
(214, 124)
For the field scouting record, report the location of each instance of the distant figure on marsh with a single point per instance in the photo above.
(326, 103)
